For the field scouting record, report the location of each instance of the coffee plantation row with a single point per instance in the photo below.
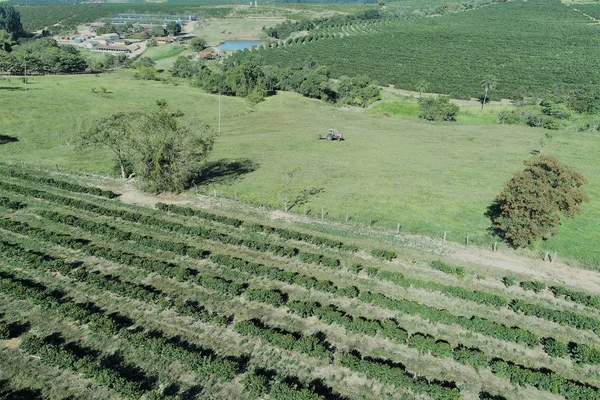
(181, 302)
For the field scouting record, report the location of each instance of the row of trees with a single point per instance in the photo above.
(249, 78)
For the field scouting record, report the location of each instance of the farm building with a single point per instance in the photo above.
(112, 49)
(148, 19)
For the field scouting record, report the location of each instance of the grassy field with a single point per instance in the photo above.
(430, 177)
(232, 304)
(217, 30)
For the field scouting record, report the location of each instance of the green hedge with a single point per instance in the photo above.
(68, 186)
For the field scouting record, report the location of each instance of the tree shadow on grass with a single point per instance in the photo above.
(225, 171)
(7, 139)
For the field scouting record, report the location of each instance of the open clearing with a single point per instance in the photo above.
(430, 177)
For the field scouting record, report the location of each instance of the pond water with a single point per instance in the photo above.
(232, 45)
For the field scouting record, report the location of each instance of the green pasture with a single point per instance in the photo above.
(430, 177)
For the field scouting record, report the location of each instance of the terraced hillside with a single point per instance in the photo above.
(549, 44)
(99, 298)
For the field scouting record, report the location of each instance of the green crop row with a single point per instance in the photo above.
(561, 317)
(11, 204)
(42, 261)
(315, 346)
(258, 385)
(435, 315)
(287, 234)
(68, 186)
(576, 296)
(132, 216)
(311, 345)
(396, 375)
(202, 361)
(474, 323)
(448, 269)
(544, 380)
(477, 296)
(69, 356)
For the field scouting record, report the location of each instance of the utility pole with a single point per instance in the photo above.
(25, 74)
(219, 112)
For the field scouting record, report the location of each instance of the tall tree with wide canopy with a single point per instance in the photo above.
(529, 207)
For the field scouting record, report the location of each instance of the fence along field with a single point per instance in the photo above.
(547, 42)
(230, 301)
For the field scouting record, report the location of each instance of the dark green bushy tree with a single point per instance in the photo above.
(529, 207)
(10, 21)
(440, 109)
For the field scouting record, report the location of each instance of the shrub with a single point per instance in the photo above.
(449, 269)
(536, 286)
(509, 281)
(383, 254)
(440, 109)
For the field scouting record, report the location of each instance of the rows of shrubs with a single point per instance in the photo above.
(287, 234)
(477, 296)
(250, 242)
(474, 323)
(257, 385)
(395, 374)
(435, 315)
(83, 360)
(202, 361)
(311, 345)
(34, 259)
(561, 317)
(577, 296)
(422, 342)
(68, 186)
(316, 346)
(219, 284)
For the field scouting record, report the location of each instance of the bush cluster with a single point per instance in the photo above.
(561, 317)
(11, 204)
(447, 268)
(311, 345)
(384, 254)
(77, 358)
(456, 291)
(396, 375)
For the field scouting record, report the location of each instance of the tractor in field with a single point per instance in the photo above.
(332, 135)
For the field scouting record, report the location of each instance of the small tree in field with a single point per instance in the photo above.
(488, 83)
(529, 207)
(440, 109)
(198, 44)
(173, 28)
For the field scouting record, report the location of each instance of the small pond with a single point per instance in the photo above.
(232, 45)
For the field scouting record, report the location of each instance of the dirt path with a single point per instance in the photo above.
(461, 103)
(501, 260)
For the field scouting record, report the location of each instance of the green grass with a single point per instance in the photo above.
(166, 51)
(430, 177)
